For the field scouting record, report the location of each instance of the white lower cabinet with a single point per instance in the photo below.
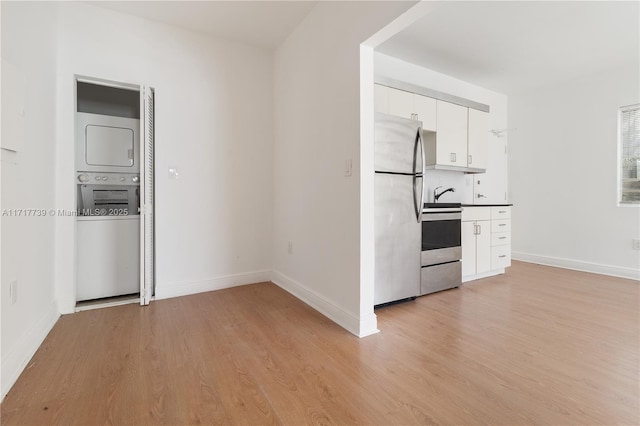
(486, 241)
(500, 237)
(468, 248)
(476, 240)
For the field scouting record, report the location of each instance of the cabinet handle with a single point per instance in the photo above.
(503, 255)
(470, 159)
(502, 238)
(502, 211)
(479, 229)
(453, 157)
(502, 224)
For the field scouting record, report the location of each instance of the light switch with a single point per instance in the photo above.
(348, 167)
(173, 173)
(13, 291)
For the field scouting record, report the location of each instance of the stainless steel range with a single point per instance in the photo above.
(441, 247)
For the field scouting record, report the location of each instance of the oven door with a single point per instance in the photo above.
(441, 237)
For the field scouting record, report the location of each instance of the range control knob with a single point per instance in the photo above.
(83, 177)
(135, 179)
(122, 179)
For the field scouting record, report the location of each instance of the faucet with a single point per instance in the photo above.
(436, 196)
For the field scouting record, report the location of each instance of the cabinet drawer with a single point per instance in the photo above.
(440, 277)
(476, 213)
(500, 238)
(500, 257)
(500, 213)
(501, 225)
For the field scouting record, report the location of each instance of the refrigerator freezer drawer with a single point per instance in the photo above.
(440, 277)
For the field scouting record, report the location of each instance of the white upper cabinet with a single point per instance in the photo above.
(401, 103)
(455, 136)
(381, 98)
(451, 137)
(425, 110)
(478, 139)
(406, 104)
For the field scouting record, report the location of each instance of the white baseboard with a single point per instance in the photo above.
(368, 325)
(578, 265)
(361, 327)
(184, 288)
(21, 353)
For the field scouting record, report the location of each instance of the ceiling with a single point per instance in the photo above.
(506, 46)
(514, 46)
(261, 23)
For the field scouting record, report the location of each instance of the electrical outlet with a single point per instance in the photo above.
(289, 247)
(636, 244)
(13, 291)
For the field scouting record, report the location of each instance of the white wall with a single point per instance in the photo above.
(29, 46)
(214, 123)
(493, 183)
(563, 175)
(317, 128)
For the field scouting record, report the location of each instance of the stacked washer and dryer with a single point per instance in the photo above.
(107, 175)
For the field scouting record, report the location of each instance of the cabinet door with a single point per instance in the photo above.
(478, 139)
(483, 246)
(425, 108)
(468, 249)
(452, 134)
(401, 103)
(381, 98)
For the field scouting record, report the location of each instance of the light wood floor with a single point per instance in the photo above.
(538, 345)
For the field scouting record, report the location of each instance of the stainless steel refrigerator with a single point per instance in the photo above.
(399, 170)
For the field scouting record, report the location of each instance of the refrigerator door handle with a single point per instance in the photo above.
(418, 174)
(415, 190)
(424, 165)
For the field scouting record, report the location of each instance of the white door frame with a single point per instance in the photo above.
(147, 220)
(147, 182)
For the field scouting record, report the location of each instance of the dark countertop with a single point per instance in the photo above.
(487, 205)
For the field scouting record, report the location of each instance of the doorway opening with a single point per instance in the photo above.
(114, 187)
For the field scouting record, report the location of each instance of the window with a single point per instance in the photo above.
(629, 150)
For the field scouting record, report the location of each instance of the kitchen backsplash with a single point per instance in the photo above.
(463, 183)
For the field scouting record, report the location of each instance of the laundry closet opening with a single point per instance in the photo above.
(114, 181)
